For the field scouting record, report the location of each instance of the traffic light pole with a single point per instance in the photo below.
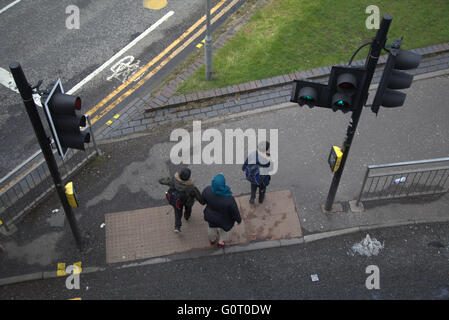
(208, 43)
(370, 65)
(27, 97)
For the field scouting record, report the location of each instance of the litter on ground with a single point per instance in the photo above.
(367, 247)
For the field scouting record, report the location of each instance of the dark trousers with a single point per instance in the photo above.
(262, 190)
(178, 215)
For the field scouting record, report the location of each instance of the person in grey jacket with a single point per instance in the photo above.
(261, 158)
(186, 188)
(221, 210)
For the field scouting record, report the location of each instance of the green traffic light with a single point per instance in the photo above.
(341, 103)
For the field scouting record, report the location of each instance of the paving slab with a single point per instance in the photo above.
(148, 233)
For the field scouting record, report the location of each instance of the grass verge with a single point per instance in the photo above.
(285, 36)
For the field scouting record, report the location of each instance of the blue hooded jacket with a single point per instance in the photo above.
(221, 209)
(219, 186)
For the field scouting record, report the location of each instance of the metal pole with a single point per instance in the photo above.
(93, 137)
(208, 44)
(27, 97)
(370, 65)
(363, 187)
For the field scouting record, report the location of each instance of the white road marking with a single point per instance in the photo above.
(9, 6)
(124, 69)
(118, 54)
(7, 80)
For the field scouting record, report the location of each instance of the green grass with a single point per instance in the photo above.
(293, 35)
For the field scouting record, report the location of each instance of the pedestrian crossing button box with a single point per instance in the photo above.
(71, 195)
(335, 158)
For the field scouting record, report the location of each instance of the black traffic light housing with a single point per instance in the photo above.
(309, 93)
(340, 93)
(393, 79)
(65, 122)
(345, 85)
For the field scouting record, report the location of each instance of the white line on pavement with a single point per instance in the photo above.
(9, 6)
(7, 80)
(118, 54)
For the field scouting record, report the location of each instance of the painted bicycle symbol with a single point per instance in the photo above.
(124, 69)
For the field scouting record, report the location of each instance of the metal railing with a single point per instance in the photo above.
(28, 184)
(405, 179)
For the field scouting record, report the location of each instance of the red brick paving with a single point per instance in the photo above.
(148, 233)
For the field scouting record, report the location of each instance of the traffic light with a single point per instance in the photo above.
(309, 93)
(345, 84)
(393, 79)
(64, 121)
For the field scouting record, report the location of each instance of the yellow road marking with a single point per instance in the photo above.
(77, 264)
(199, 45)
(160, 66)
(61, 270)
(75, 299)
(116, 116)
(109, 123)
(22, 175)
(154, 4)
(142, 70)
(152, 62)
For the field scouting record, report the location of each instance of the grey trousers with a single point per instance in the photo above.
(217, 234)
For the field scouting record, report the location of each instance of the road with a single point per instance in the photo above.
(115, 39)
(413, 264)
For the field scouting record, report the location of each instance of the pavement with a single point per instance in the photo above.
(145, 233)
(122, 183)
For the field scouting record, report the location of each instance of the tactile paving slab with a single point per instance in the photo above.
(148, 233)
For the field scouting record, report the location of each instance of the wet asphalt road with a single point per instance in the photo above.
(34, 33)
(413, 264)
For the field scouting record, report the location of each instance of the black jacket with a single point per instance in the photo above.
(188, 187)
(220, 212)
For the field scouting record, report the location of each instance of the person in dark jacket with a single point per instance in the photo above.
(187, 190)
(221, 210)
(260, 157)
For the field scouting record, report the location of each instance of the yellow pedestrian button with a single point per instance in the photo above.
(335, 158)
(71, 195)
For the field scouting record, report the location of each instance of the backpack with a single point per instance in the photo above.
(174, 197)
(252, 174)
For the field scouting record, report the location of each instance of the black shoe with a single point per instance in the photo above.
(251, 200)
(177, 230)
(261, 198)
(187, 218)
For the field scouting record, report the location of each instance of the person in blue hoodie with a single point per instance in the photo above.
(221, 210)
